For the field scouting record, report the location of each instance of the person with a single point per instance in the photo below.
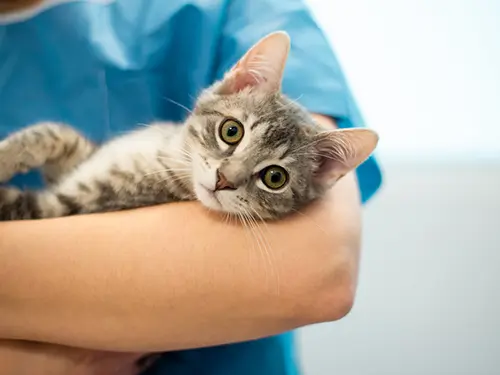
(170, 278)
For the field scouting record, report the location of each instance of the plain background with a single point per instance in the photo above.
(426, 74)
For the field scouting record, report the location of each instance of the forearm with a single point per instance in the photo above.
(174, 276)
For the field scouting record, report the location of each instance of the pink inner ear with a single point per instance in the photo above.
(261, 67)
(341, 151)
(329, 168)
(242, 80)
(334, 157)
(236, 81)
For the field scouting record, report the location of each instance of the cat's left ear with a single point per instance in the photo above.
(261, 67)
(338, 152)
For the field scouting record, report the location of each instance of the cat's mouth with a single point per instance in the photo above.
(208, 197)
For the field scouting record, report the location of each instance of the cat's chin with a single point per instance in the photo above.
(208, 198)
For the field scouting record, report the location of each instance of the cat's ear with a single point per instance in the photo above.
(341, 151)
(261, 67)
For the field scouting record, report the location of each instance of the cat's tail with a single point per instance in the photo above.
(18, 204)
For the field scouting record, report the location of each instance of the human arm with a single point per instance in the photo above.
(174, 276)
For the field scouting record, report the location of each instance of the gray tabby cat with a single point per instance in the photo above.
(245, 149)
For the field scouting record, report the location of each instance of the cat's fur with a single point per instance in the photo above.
(165, 162)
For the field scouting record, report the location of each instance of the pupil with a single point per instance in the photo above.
(232, 131)
(275, 177)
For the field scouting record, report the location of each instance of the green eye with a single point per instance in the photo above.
(274, 177)
(231, 131)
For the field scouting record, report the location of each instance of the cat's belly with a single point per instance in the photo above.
(20, 358)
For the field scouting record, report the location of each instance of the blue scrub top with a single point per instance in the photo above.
(105, 66)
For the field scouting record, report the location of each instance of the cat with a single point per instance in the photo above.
(245, 149)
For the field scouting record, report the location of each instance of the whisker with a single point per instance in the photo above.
(311, 220)
(292, 102)
(264, 247)
(165, 171)
(248, 235)
(181, 174)
(267, 246)
(154, 127)
(178, 104)
(185, 152)
(178, 178)
(257, 241)
(183, 162)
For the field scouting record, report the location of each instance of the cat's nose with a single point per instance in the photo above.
(223, 183)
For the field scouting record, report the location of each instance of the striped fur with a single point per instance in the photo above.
(166, 162)
(128, 172)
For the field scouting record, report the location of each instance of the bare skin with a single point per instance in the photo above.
(124, 276)
(22, 358)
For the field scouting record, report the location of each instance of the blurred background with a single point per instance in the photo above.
(426, 75)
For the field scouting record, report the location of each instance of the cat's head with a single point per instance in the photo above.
(255, 151)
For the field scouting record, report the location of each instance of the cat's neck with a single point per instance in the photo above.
(173, 154)
(178, 148)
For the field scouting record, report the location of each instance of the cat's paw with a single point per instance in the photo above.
(7, 167)
(5, 176)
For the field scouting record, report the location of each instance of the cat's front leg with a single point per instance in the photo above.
(53, 147)
(9, 165)
(23, 151)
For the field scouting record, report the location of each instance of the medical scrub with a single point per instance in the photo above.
(106, 66)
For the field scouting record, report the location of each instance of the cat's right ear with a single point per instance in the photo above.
(261, 67)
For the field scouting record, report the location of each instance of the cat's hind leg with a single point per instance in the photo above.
(53, 147)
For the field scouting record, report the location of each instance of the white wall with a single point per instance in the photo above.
(426, 73)
(428, 299)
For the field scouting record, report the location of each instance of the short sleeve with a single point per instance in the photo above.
(313, 75)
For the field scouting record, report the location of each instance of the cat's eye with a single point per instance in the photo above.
(231, 131)
(274, 177)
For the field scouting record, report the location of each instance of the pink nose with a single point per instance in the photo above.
(223, 183)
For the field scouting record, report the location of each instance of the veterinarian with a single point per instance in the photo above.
(168, 278)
